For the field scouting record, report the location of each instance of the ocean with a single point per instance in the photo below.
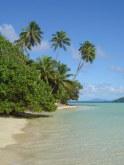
(91, 134)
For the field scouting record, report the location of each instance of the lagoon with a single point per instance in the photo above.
(91, 134)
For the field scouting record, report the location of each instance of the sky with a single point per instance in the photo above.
(99, 21)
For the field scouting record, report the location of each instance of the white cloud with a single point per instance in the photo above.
(74, 52)
(117, 69)
(8, 31)
(100, 52)
(43, 46)
(102, 90)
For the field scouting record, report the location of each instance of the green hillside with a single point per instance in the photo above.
(120, 100)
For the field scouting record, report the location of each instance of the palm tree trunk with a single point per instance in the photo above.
(53, 89)
(57, 55)
(80, 65)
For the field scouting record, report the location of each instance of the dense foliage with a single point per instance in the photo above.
(20, 86)
(58, 76)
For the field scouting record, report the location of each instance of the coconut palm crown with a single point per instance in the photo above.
(30, 36)
(60, 40)
(87, 51)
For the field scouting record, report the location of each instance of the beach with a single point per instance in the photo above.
(91, 134)
(8, 128)
(64, 106)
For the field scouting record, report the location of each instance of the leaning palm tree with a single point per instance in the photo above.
(88, 53)
(60, 40)
(31, 36)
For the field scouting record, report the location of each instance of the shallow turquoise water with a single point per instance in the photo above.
(91, 135)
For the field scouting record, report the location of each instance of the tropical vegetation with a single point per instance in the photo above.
(30, 36)
(60, 40)
(36, 85)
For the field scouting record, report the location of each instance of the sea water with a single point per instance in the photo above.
(91, 134)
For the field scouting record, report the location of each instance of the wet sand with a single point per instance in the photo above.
(8, 128)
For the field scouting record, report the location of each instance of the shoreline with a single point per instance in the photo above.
(9, 127)
(64, 106)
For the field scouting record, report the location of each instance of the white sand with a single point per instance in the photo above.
(66, 107)
(8, 128)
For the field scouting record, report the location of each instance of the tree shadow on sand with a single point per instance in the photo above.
(26, 115)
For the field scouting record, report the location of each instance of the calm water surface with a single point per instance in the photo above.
(90, 135)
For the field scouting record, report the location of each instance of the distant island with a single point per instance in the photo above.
(120, 100)
(89, 101)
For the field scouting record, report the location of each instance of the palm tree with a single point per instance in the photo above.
(46, 66)
(57, 76)
(60, 40)
(54, 73)
(88, 53)
(62, 78)
(31, 36)
(66, 88)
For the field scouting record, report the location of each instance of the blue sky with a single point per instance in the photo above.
(100, 21)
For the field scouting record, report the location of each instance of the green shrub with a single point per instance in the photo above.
(20, 86)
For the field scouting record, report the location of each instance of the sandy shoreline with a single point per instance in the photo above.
(12, 126)
(63, 106)
(8, 128)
